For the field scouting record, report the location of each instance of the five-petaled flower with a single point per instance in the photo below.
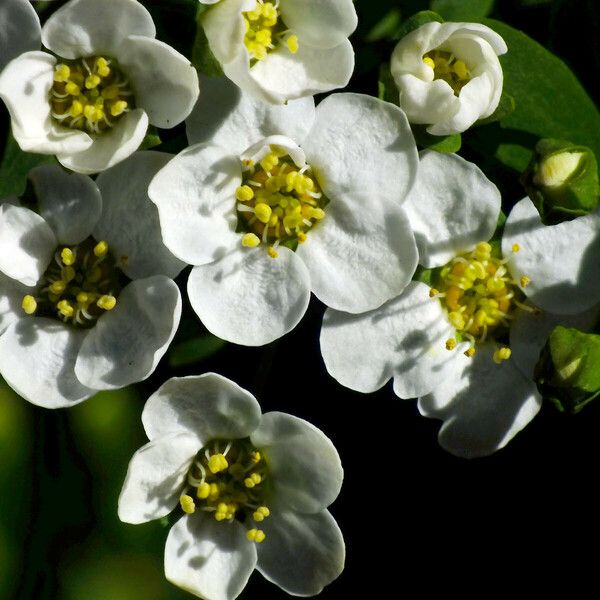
(468, 346)
(91, 100)
(282, 50)
(86, 297)
(449, 75)
(254, 489)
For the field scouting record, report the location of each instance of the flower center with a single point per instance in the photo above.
(79, 286)
(449, 68)
(277, 203)
(479, 296)
(265, 31)
(90, 94)
(229, 479)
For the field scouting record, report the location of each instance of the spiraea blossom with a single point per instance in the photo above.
(86, 297)
(285, 49)
(19, 29)
(89, 100)
(253, 489)
(449, 75)
(278, 201)
(467, 347)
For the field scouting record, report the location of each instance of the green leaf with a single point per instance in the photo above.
(505, 107)
(447, 143)
(15, 166)
(416, 21)
(568, 370)
(194, 350)
(550, 102)
(202, 57)
(386, 88)
(462, 10)
(387, 27)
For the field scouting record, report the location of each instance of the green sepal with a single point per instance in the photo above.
(202, 57)
(577, 195)
(443, 143)
(151, 140)
(505, 107)
(567, 372)
(417, 20)
(195, 350)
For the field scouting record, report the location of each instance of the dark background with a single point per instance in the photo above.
(420, 518)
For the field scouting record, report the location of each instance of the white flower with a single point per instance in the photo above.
(92, 102)
(282, 50)
(498, 310)
(71, 321)
(284, 200)
(19, 29)
(449, 75)
(255, 489)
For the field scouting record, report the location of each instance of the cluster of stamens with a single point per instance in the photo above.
(228, 480)
(90, 94)
(449, 68)
(479, 296)
(265, 31)
(80, 284)
(277, 202)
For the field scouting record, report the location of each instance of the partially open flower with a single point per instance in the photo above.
(86, 296)
(278, 51)
(448, 75)
(281, 200)
(253, 490)
(90, 101)
(19, 29)
(466, 346)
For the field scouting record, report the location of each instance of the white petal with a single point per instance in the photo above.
(164, 81)
(19, 30)
(226, 116)
(304, 466)
(70, 203)
(248, 297)
(359, 257)
(129, 221)
(25, 86)
(483, 405)
(301, 553)
(126, 343)
(208, 406)
(11, 298)
(285, 76)
(27, 244)
(562, 261)
(362, 145)
(195, 196)
(452, 207)
(319, 23)
(111, 147)
(225, 28)
(88, 27)
(404, 339)
(529, 333)
(37, 357)
(209, 559)
(156, 478)
(258, 151)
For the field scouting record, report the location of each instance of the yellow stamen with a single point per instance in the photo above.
(29, 304)
(255, 535)
(433, 292)
(470, 352)
(250, 240)
(502, 354)
(524, 281)
(292, 44)
(515, 247)
(429, 62)
(217, 463)
(450, 344)
(107, 302)
(244, 193)
(100, 249)
(187, 504)
(67, 256)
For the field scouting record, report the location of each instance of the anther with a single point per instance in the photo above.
(524, 281)
(255, 535)
(250, 240)
(67, 256)
(515, 247)
(29, 304)
(502, 354)
(244, 193)
(450, 344)
(470, 352)
(433, 292)
(217, 463)
(187, 504)
(100, 249)
(107, 302)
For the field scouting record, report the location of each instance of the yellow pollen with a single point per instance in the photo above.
(255, 535)
(67, 256)
(107, 302)
(515, 247)
(292, 44)
(524, 281)
(244, 193)
(65, 308)
(29, 304)
(250, 240)
(470, 352)
(450, 344)
(62, 73)
(253, 480)
(92, 81)
(102, 67)
(100, 249)
(265, 30)
(262, 212)
(502, 354)
(203, 490)
(448, 68)
(118, 108)
(76, 109)
(84, 298)
(187, 504)
(58, 287)
(272, 252)
(433, 292)
(460, 69)
(429, 62)
(217, 463)
(72, 89)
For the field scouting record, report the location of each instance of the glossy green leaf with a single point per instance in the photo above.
(15, 166)
(462, 10)
(445, 143)
(550, 102)
(416, 21)
(387, 27)
(505, 107)
(194, 350)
